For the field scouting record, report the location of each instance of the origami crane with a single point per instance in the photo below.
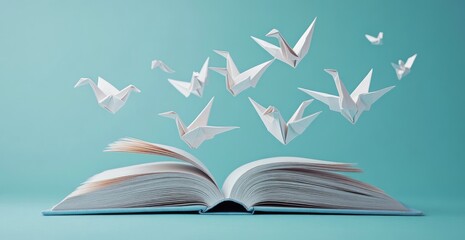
(284, 53)
(198, 131)
(402, 69)
(197, 83)
(275, 124)
(353, 105)
(108, 97)
(160, 64)
(237, 82)
(375, 40)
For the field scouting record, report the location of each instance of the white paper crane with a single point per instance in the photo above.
(402, 69)
(375, 40)
(108, 97)
(198, 131)
(160, 64)
(353, 105)
(197, 83)
(275, 124)
(236, 82)
(284, 53)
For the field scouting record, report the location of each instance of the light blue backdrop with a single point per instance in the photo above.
(52, 136)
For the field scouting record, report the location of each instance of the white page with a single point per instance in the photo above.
(138, 146)
(318, 164)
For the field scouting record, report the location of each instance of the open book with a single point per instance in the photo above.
(278, 184)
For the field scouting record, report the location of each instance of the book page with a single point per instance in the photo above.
(317, 164)
(113, 176)
(156, 184)
(132, 145)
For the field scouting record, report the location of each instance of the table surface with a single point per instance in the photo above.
(21, 219)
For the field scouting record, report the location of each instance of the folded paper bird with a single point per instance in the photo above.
(275, 124)
(160, 64)
(236, 82)
(284, 53)
(197, 83)
(375, 40)
(198, 131)
(402, 69)
(108, 97)
(353, 105)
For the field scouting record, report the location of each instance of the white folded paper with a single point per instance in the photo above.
(284, 53)
(160, 64)
(108, 97)
(402, 69)
(353, 105)
(197, 83)
(198, 131)
(275, 124)
(375, 40)
(236, 82)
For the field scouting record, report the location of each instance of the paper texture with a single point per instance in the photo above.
(197, 83)
(353, 105)
(234, 176)
(402, 69)
(275, 124)
(236, 82)
(284, 53)
(133, 145)
(108, 97)
(378, 40)
(198, 131)
(160, 64)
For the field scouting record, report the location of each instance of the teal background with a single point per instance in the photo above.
(52, 136)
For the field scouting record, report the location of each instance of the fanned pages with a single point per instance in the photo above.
(132, 145)
(302, 182)
(279, 184)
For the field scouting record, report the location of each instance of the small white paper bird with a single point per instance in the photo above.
(197, 83)
(375, 40)
(402, 69)
(353, 105)
(160, 64)
(107, 95)
(284, 53)
(275, 124)
(236, 82)
(198, 131)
